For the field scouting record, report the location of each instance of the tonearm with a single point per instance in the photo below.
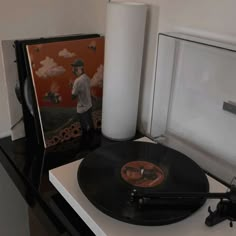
(226, 208)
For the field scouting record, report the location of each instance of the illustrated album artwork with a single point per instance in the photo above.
(66, 78)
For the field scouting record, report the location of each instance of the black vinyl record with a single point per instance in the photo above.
(108, 176)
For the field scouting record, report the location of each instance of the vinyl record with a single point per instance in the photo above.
(109, 175)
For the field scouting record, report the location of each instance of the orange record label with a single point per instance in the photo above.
(142, 174)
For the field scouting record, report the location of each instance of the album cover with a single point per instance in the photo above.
(66, 79)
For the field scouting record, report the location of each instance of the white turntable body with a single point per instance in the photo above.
(64, 179)
(193, 112)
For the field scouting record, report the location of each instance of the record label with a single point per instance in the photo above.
(142, 174)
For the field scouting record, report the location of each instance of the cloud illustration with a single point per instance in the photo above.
(66, 54)
(49, 69)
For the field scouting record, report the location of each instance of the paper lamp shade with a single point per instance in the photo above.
(125, 30)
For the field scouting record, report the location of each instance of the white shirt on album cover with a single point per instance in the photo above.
(81, 89)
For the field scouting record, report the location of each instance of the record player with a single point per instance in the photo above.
(192, 130)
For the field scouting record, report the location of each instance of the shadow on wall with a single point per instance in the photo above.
(148, 69)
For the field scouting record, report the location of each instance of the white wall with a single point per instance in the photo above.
(45, 18)
(210, 15)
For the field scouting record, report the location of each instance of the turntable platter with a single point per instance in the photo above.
(108, 176)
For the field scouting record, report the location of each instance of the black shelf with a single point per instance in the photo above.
(28, 166)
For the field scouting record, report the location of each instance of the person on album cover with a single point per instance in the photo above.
(81, 91)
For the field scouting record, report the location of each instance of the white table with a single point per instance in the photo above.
(64, 179)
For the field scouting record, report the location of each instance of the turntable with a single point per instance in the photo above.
(160, 186)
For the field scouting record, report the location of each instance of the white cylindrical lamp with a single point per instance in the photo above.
(124, 42)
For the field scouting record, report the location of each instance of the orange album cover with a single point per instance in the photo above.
(67, 79)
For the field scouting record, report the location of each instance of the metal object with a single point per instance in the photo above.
(230, 107)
